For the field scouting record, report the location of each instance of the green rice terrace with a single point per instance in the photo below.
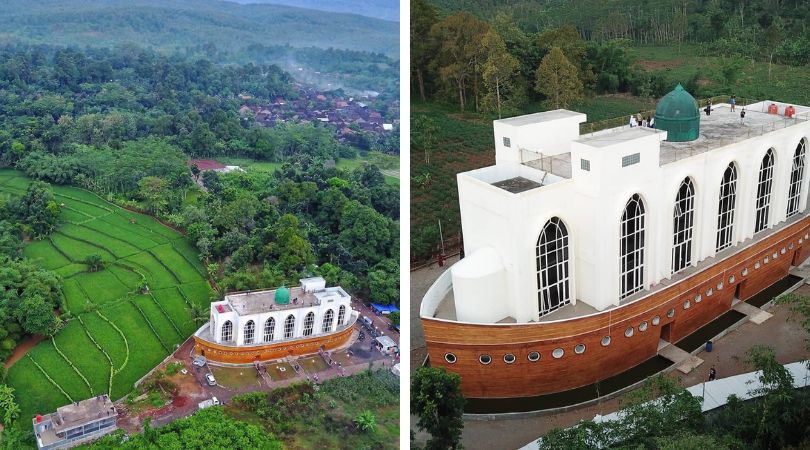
(116, 334)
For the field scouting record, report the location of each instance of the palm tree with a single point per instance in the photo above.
(366, 421)
(197, 313)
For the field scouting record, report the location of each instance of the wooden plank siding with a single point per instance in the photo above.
(548, 375)
(271, 351)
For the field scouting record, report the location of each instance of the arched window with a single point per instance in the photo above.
(725, 211)
(764, 191)
(227, 331)
(327, 321)
(683, 220)
(631, 247)
(269, 329)
(289, 327)
(796, 178)
(250, 329)
(552, 266)
(341, 314)
(309, 323)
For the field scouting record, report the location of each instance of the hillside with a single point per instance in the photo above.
(380, 9)
(180, 25)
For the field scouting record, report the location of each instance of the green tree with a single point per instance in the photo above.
(771, 37)
(155, 192)
(437, 400)
(423, 134)
(423, 17)
(459, 40)
(394, 318)
(383, 283)
(39, 211)
(497, 70)
(557, 80)
(366, 421)
(95, 261)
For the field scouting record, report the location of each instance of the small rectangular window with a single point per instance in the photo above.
(507, 142)
(629, 160)
(584, 164)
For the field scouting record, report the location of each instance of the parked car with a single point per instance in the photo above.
(199, 361)
(209, 403)
(209, 377)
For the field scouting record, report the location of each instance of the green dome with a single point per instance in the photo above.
(282, 296)
(678, 113)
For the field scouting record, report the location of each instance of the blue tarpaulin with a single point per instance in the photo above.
(381, 308)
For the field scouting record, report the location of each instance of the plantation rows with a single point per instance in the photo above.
(461, 145)
(117, 334)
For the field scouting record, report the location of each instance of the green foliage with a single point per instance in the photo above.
(437, 401)
(366, 421)
(94, 261)
(208, 429)
(394, 318)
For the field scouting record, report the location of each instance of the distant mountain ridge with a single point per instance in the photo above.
(380, 9)
(179, 24)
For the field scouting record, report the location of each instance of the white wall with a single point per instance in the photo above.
(591, 205)
(240, 322)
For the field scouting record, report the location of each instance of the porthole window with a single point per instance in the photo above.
(775, 255)
(449, 357)
(720, 286)
(745, 272)
(807, 235)
(709, 292)
(698, 298)
(801, 240)
(508, 358)
(687, 304)
(671, 312)
(558, 353)
(533, 356)
(642, 326)
(579, 349)
(656, 320)
(766, 260)
(790, 247)
(731, 279)
(605, 341)
(783, 250)
(485, 359)
(756, 265)
(628, 332)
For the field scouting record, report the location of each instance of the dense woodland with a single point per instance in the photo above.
(487, 56)
(173, 25)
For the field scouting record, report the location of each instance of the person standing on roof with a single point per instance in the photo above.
(742, 117)
(633, 121)
(733, 102)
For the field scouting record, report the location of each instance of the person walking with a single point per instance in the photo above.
(742, 117)
(712, 374)
(733, 102)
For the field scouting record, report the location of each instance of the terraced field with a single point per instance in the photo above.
(116, 335)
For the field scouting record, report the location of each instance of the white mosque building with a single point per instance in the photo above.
(585, 251)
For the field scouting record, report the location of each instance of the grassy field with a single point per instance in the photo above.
(389, 165)
(134, 331)
(465, 141)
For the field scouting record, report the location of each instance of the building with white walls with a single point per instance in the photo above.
(255, 326)
(576, 243)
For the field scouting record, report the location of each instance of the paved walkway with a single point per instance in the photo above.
(728, 357)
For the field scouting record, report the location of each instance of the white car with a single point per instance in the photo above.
(198, 361)
(209, 377)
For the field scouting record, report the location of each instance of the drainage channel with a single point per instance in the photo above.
(571, 397)
(489, 408)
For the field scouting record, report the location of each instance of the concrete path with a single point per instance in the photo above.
(686, 362)
(754, 314)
